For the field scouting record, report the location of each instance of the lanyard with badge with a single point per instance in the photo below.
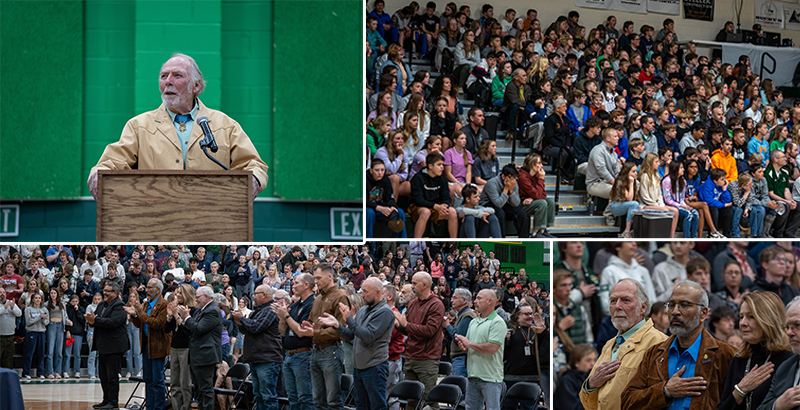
(527, 338)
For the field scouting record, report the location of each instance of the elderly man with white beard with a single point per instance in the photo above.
(688, 370)
(784, 393)
(621, 355)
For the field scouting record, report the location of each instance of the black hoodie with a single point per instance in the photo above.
(379, 192)
(427, 191)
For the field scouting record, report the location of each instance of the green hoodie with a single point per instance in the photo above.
(374, 140)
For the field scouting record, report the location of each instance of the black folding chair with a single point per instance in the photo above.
(238, 373)
(139, 380)
(346, 385)
(522, 391)
(409, 390)
(459, 381)
(449, 394)
(445, 368)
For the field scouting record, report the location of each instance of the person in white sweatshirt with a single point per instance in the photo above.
(673, 270)
(621, 265)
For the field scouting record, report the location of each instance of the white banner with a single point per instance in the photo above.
(791, 16)
(633, 6)
(777, 63)
(769, 14)
(664, 7)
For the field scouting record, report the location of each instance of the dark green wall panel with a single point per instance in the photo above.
(318, 93)
(41, 61)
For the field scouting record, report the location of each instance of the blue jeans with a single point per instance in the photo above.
(75, 350)
(91, 362)
(326, 373)
(475, 227)
(34, 342)
(370, 387)
(373, 216)
(55, 344)
(481, 392)
(153, 375)
(297, 380)
(737, 215)
(757, 214)
(265, 381)
(623, 208)
(690, 220)
(134, 354)
(459, 366)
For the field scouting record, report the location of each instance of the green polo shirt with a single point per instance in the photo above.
(777, 181)
(487, 367)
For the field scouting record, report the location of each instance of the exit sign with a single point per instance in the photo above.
(9, 220)
(347, 224)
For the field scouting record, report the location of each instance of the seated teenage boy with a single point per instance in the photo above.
(477, 221)
(714, 192)
(380, 204)
(502, 194)
(724, 160)
(430, 197)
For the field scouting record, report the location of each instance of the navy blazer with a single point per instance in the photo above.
(781, 381)
(205, 345)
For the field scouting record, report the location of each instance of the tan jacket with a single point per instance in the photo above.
(149, 141)
(630, 354)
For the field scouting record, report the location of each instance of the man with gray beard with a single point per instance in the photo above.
(686, 371)
(406, 296)
(622, 355)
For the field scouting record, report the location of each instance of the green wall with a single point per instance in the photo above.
(89, 66)
(534, 264)
(41, 61)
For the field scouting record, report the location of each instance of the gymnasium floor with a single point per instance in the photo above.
(70, 394)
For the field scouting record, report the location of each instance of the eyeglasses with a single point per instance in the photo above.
(780, 260)
(795, 327)
(682, 305)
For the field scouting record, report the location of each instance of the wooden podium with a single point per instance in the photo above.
(174, 206)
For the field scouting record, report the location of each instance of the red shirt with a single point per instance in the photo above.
(10, 284)
(396, 343)
(530, 186)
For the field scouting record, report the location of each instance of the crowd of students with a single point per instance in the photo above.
(55, 286)
(652, 125)
(592, 313)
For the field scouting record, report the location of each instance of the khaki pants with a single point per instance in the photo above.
(425, 371)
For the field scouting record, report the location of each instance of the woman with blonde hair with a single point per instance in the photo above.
(416, 104)
(180, 373)
(537, 72)
(486, 165)
(411, 135)
(761, 319)
(650, 189)
(377, 128)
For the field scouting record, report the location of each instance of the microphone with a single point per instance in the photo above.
(209, 140)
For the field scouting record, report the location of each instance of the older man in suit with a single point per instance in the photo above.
(784, 393)
(150, 318)
(110, 342)
(205, 345)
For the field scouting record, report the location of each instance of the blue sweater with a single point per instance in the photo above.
(714, 195)
(572, 118)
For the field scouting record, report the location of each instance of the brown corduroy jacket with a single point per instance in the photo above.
(157, 341)
(646, 389)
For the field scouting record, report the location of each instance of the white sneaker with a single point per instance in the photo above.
(77, 375)
(93, 378)
(611, 221)
(627, 234)
(66, 375)
(50, 376)
(41, 377)
(717, 234)
(28, 377)
(58, 376)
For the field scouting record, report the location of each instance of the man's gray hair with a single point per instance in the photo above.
(792, 302)
(280, 294)
(220, 299)
(194, 72)
(205, 290)
(159, 285)
(268, 290)
(559, 102)
(641, 294)
(703, 293)
(306, 278)
(518, 72)
(464, 293)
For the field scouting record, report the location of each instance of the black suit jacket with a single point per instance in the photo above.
(781, 381)
(110, 334)
(205, 345)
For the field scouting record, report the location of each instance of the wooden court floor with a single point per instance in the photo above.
(71, 394)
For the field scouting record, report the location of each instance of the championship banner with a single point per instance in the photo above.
(769, 13)
(698, 9)
(633, 6)
(664, 7)
(791, 16)
(777, 63)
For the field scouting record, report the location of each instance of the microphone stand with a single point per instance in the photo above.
(204, 145)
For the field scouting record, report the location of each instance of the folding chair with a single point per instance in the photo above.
(139, 380)
(449, 394)
(445, 368)
(459, 381)
(238, 373)
(409, 390)
(346, 385)
(523, 391)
